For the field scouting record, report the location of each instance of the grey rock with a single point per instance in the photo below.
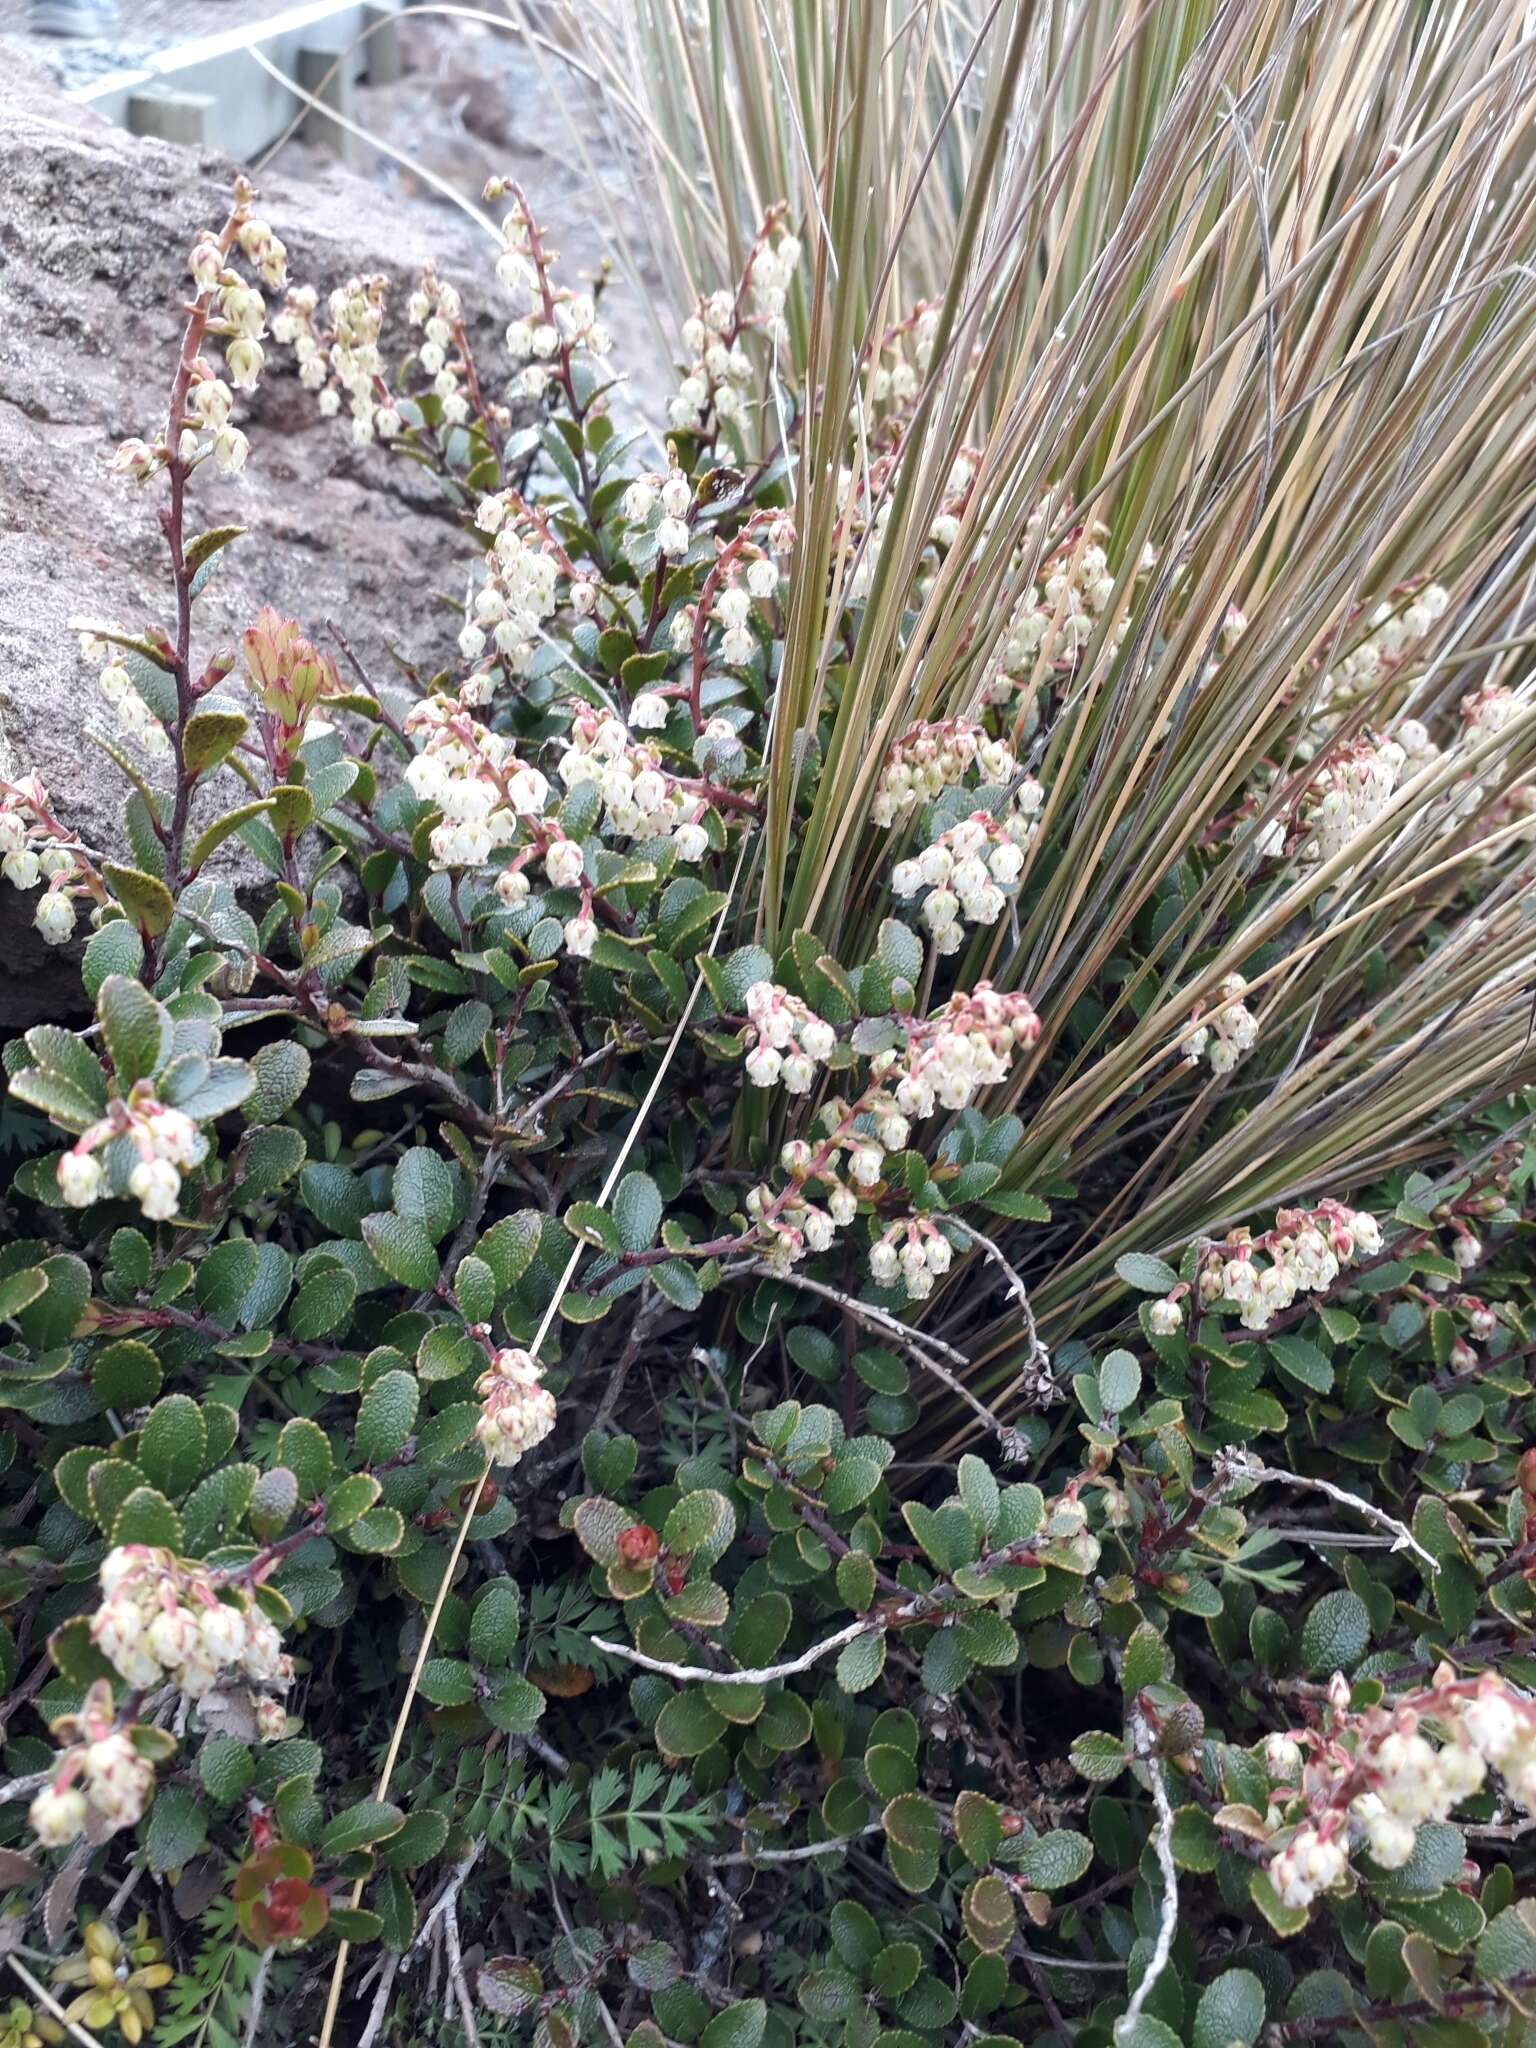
(93, 243)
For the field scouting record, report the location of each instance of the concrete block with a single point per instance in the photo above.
(328, 77)
(170, 116)
(381, 52)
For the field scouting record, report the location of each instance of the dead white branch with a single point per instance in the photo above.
(702, 1674)
(1168, 1912)
(1243, 1465)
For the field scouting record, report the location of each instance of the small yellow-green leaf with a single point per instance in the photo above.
(687, 1725)
(989, 1915)
(173, 1441)
(145, 898)
(292, 807)
(912, 1840)
(148, 1517)
(978, 1827)
(386, 1416)
(210, 735)
(349, 1499)
(213, 836)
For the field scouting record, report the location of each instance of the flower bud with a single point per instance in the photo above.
(55, 916)
(244, 359)
(639, 1546)
(57, 1817)
(79, 1178)
(156, 1186)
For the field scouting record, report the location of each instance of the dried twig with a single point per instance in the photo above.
(833, 1848)
(23, 1788)
(1066, 1962)
(1502, 1831)
(862, 1311)
(124, 1892)
(1168, 1918)
(444, 1913)
(46, 1999)
(1243, 1465)
(1043, 1992)
(929, 1352)
(456, 1971)
(445, 1901)
(715, 1934)
(376, 2012)
(1040, 1358)
(686, 1674)
(546, 1752)
(258, 1998)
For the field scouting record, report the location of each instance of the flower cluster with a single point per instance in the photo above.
(1307, 1249)
(674, 494)
(965, 1047)
(785, 1040)
(103, 1777)
(1231, 1031)
(718, 371)
(133, 715)
(475, 778)
(906, 351)
(490, 799)
(745, 572)
(230, 307)
(262, 248)
(436, 307)
(1488, 708)
(518, 593)
(640, 799)
(945, 1060)
(241, 310)
(715, 379)
(1392, 631)
(930, 758)
(771, 269)
(162, 1617)
(209, 402)
(163, 1143)
(110, 1779)
(1350, 792)
(789, 1225)
(733, 608)
(1311, 1862)
(32, 850)
(517, 1410)
(914, 1251)
(558, 323)
(1068, 592)
(968, 871)
(343, 359)
(1373, 1779)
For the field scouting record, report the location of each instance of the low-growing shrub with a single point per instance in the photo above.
(801, 1313)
